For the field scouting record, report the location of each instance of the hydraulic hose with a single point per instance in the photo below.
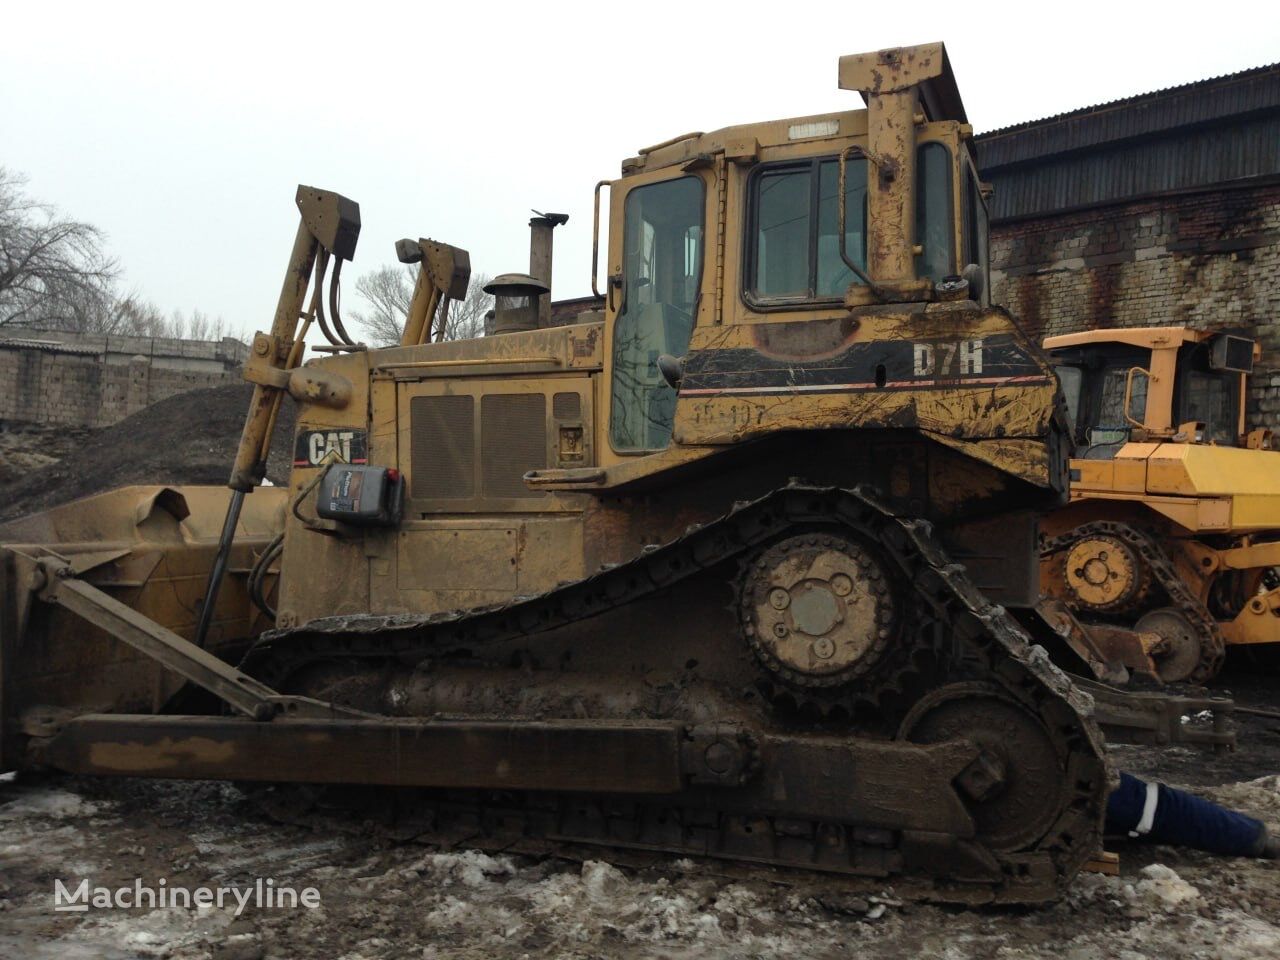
(322, 264)
(335, 296)
(259, 574)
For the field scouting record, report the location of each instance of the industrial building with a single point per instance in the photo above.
(1162, 208)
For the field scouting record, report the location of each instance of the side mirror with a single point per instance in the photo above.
(977, 282)
(672, 370)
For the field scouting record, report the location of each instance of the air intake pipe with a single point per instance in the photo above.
(903, 88)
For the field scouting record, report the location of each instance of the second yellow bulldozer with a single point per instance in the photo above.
(1174, 521)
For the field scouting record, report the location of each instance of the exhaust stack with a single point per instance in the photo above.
(540, 246)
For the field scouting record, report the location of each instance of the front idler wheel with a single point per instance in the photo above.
(1178, 655)
(1013, 788)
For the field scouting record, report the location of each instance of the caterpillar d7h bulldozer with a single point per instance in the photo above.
(736, 569)
(1174, 519)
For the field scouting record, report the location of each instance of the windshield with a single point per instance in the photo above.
(662, 263)
(1111, 411)
(1211, 399)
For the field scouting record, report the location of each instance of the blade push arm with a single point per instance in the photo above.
(330, 227)
(444, 276)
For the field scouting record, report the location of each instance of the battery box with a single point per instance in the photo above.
(362, 496)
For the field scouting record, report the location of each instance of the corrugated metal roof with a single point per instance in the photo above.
(45, 346)
(1196, 135)
(1163, 92)
(1116, 172)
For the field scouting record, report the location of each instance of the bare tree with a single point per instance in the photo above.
(196, 326)
(55, 275)
(388, 292)
(466, 317)
(131, 315)
(138, 317)
(53, 271)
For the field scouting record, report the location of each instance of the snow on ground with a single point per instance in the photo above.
(381, 900)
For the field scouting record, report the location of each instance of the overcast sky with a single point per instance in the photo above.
(181, 129)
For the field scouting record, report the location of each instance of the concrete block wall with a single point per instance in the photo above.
(87, 380)
(1208, 260)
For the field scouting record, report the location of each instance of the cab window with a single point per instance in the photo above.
(977, 228)
(934, 232)
(795, 253)
(1072, 379)
(662, 251)
(1111, 411)
(1093, 383)
(1101, 427)
(1209, 396)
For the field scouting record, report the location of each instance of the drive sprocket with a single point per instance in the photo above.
(1104, 574)
(818, 609)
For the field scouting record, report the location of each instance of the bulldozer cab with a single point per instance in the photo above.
(1152, 384)
(802, 219)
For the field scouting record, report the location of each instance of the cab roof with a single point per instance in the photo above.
(1150, 337)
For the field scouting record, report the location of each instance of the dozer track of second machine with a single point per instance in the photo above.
(740, 563)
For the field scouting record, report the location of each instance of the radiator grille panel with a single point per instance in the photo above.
(443, 447)
(567, 406)
(513, 442)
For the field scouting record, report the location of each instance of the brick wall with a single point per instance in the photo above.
(1208, 260)
(83, 380)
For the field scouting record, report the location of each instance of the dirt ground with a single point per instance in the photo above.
(28, 447)
(383, 899)
(188, 438)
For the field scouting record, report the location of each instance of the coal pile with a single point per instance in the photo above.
(188, 438)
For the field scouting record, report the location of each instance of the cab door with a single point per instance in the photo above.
(658, 235)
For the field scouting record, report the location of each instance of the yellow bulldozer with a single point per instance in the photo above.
(1174, 521)
(741, 565)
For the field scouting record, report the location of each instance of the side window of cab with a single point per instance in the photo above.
(662, 251)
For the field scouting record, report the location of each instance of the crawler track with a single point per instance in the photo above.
(1212, 643)
(957, 659)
